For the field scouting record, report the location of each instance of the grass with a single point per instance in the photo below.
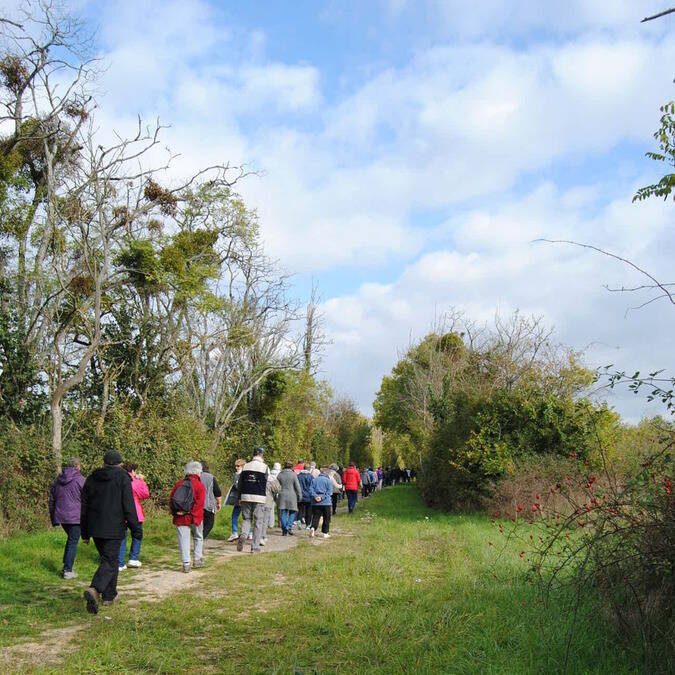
(401, 589)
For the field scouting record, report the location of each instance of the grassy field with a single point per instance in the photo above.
(397, 589)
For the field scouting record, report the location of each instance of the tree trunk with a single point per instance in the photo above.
(57, 424)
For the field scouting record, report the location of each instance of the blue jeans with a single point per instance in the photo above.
(352, 498)
(73, 532)
(235, 519)
(286, 519)
(134, 552)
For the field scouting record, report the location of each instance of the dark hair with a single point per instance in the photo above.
(288, 465)
(129, 467)
(74, 462)
(301, 461)
(205, 466)
(352, 464)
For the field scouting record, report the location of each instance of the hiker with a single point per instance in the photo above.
(186, 503)
(213, 500)
(232, 499)
(107, 509)
(141, 492)
(276, 470)
(300, 465)
(313, 470)
(372, 480)
(336, 479)
(272, 490)
(351, 479)
(64, 510)
(287, 504)
(380, 477)
(253, 496)
(305, 503)
(322, 489)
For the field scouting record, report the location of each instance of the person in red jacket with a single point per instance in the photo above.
(192, 521)
(351, 480)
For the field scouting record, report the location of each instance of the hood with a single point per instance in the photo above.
(68, 475)
(107, 473)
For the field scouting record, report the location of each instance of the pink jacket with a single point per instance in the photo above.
(140, 489)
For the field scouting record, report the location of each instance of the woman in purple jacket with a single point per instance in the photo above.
(64, 510)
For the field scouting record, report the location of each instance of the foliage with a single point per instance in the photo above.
(665, 137)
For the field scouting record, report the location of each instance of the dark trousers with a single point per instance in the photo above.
(209, 520)
(317, 513)
(73, 532)
(352, 498)
(305, 512)
(105, 577)
(334, 500)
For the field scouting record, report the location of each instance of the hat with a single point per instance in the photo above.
(258, 451)
(276, 467)
(112, 457)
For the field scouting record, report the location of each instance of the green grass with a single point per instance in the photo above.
(394, 593)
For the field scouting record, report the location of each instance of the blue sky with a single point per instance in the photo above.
(411, 151)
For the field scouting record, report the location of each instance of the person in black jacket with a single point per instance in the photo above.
(107, 509)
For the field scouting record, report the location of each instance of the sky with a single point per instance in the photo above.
(408, 155)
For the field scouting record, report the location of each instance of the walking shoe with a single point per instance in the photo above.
(291, 533)
(233, 537)
(326, 535)
(134, 563)
(121, 568)
(186, 567)
(69, 575)
(263, 542)
(250, 536)
(240, 544)
(284, 533)
(199, 562)
(309, 527)
(91, 596)
(107, 603)
(311, 531)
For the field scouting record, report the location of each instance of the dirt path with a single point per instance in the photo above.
(148, 584)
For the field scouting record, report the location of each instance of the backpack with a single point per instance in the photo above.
(183, 498)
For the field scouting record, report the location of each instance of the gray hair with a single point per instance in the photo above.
(193, 468)
(74, 462)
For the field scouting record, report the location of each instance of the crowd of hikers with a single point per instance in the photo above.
(109, 502)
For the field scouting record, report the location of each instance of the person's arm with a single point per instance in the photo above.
(218, 494)
(140, 488)
(129, 509)
(52, 503)
(297, 488)
(84, 528)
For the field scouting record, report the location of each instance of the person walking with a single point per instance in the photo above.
(305, 479)
(64, 510)
(322, 489)
(186, 503)
(287, 504)
(272, 491)
(351, 479)
(232, 499)
(253, 496)
(107, 508)
(141, 492)
(276, 470)
(213, 500)
(336, 479)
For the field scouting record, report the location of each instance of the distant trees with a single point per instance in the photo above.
(474, 400)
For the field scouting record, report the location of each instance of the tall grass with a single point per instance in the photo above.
(398, 589)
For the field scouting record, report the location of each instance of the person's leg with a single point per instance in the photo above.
(184, 543)
(246, 516)
(235, 519)
(135, 551)
(283, 519)
(291, 519)
(325, 526)
(259, 515)
(198, 535)
(70, 550)
(334, 500)
(105, 577)
(309, 513)
(209, 519)
(123, 551)
(316, 516)
(269, 511)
